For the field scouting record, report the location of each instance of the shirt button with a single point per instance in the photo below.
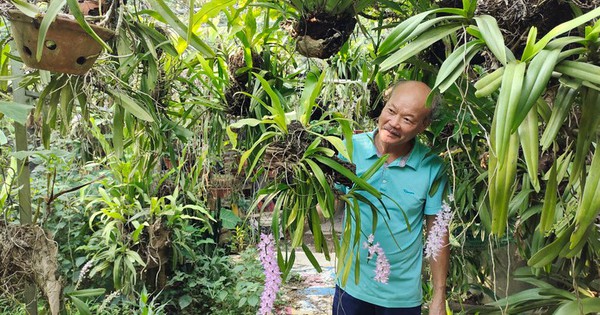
(385, 181)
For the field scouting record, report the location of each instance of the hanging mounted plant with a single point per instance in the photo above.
(322, 27)
(238, 99)
(57, 42)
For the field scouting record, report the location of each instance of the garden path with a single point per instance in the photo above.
(307, 291)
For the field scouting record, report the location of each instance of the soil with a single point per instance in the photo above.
(321, 35)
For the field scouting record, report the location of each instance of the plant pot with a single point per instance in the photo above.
(67, 48)
(222, 185)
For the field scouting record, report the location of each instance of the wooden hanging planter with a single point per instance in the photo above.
(67, 48)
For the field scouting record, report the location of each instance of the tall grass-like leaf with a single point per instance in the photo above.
(312, 87)
(455, 64)
(130, 105)
(580, 70)
(326, 190)
(562, 104)
(359, 182)
(537, 77)
(589, 206)
(401, 32)
(549, 207)
(547, 254)
(263, 137)
(565, 27)
(81, 306)
(489, 83)
(528, 51)
(78, 15)
(425, 40)
(276, 108)
(528, 134)
(586, 305)
(506, 107)
(208, 10)
(492, 36)
(118, 130)
(162, 8)
(311, 258)
(27, 8)
(410, 33)
(469, 7)
(588, 124)
(53, 10)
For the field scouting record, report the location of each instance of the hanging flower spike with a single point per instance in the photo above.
(382, 265)
(438, 230)
(267, 257)
(83, 272)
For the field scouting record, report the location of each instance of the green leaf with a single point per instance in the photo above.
(130, 105)
(3, 139)
(455, 64)
(339, 145)
(78, 15)
(82, 307)
(425, 40)
(209, 10)
(311, 258)
(312, 87)
(358, 182)
(27, 8)
(276, 109)
(184, 301)
(401, 32)
(583, 306)
(16, 111)
(492, 36)
(164, 11)
(53, 9)
(87, 292)
(118, 130)
(565, 27)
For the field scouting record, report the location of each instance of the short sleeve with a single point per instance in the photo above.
(438, 189)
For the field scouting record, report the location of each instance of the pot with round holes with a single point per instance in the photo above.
(67, 47)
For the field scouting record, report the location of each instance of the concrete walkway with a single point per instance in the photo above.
(308, 291)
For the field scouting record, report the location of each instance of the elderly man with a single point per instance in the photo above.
(407, 177)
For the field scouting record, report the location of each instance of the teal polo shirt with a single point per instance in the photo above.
(409, 185)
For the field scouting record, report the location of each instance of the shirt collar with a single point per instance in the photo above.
(415, 156)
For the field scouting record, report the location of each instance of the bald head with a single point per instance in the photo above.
(418, 90)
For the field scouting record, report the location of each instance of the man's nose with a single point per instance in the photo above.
(396, 122)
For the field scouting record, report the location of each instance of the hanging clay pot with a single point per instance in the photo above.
(67, 47)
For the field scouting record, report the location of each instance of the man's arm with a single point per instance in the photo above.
(439, 272)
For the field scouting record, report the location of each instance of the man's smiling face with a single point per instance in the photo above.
(405, 114)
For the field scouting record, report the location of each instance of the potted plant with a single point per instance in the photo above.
(322, 27)
(54, 41)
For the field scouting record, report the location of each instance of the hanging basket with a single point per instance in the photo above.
(67, 48)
